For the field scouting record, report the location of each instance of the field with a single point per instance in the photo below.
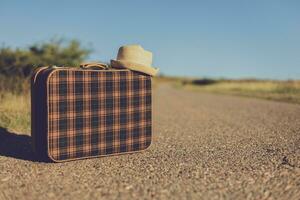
(286, 91)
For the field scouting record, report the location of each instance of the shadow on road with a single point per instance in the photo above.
(15, 146)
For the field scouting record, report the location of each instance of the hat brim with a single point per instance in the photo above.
(134, 66)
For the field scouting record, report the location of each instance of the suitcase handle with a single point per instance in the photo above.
(97, 65)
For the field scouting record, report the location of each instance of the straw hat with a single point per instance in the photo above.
(135, 58)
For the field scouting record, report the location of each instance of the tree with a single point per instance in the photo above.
(22, 62)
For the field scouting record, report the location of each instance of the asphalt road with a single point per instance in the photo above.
(205, 146)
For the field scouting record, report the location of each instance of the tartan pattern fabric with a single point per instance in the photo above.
(97, 113)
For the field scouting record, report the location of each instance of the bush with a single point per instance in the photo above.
(17, 65)
(22, 62)
(201, 82)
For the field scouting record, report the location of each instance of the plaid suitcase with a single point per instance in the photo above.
(81, 113)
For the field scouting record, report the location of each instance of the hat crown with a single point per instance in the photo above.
(135, 54)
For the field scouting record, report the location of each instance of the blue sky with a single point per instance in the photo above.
(229, 39)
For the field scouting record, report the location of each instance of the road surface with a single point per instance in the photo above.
(205, 146)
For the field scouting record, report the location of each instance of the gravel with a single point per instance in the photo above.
(205, 146)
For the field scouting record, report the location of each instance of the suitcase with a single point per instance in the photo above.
(82, 113)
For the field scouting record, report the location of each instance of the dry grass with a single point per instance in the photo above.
(15, 112)
(15, 104)
(175, 81)
(287, 91)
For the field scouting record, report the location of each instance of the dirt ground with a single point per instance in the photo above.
(205, 146)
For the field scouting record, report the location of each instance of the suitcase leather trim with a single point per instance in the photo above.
(33, 106)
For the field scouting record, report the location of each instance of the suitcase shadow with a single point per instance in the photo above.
(15, 146)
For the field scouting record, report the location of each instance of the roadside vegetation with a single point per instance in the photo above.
(286, 91)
